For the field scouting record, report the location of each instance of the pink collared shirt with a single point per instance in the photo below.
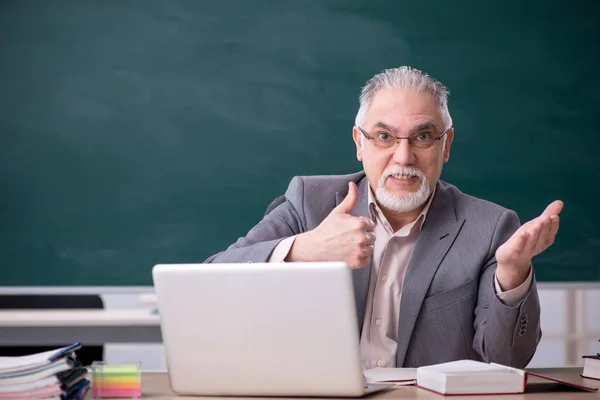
(392, 252)
(391, 255)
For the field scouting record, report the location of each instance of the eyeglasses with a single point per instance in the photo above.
(423, 140)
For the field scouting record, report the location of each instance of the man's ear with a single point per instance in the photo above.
(447, 144)
(358, 142)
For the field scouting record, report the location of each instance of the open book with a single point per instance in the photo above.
(474, 377)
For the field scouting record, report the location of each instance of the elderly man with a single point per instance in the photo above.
(438, 275)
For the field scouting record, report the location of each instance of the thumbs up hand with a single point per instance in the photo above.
(340, 237)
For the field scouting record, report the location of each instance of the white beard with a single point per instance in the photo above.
(406, 201)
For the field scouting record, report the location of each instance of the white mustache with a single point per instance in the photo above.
(400, 170)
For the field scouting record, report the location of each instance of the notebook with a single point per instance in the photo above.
(262, 329)
(465, 377)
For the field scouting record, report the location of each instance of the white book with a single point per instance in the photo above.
(470, 377)
(12, 365)
(474, 377)
(36, 374)
(40, 393)
(21, 387)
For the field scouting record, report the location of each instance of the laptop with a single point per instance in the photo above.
(261, 329)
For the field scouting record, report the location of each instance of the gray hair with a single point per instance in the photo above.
(404, 78)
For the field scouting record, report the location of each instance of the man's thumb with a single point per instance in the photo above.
(349, 202)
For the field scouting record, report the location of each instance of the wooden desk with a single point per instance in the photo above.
(155, 385)
(48, 327)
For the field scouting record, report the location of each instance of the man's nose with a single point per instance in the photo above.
(404, 153)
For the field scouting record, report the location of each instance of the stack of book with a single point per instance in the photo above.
(54, 374)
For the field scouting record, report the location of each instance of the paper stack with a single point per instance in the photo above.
(54, 374)
(398, 376)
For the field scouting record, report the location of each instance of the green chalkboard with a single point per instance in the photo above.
(139, 132)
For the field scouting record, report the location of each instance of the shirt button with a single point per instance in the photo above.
(380, 363)
(384, 278)
(378, 322)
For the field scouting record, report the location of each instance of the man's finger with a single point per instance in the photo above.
(362, 261)
(369, 224)
(370, 238)
(543, 236)
(553, 230)
(532, 239)
(554, 208)
(346, 206)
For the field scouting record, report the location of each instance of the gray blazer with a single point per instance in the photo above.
(448, 308)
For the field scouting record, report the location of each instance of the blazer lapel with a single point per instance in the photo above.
(360, 277)
(437, 236)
